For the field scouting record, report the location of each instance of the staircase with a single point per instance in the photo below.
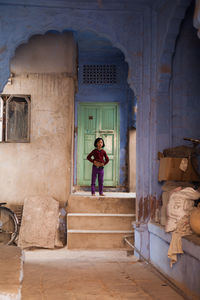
(95, 222)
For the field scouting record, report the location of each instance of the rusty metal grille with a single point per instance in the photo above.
(99, 74)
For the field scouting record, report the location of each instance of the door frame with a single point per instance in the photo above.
(117, 161)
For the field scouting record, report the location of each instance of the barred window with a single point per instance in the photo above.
(15, 118)
(99, 74)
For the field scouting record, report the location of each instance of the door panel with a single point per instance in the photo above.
(98, 120)
(108, 119)
(109, 142)
(88, 167)
(89, 142)
(108, 173)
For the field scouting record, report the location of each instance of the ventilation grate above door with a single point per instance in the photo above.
(99, 74)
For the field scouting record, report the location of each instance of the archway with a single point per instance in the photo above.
(102, 78)
(45, 70)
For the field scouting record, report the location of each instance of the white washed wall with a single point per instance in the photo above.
(43, 166)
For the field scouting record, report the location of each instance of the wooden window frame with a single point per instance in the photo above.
(4, 118)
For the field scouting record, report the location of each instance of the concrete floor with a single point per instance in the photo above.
(76, 274)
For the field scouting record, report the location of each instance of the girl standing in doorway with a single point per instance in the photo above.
(99, 160)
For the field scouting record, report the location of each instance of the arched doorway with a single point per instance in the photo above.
(104, 106)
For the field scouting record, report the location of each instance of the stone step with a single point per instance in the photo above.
(96, 204)
(92, 221)
(97, 239)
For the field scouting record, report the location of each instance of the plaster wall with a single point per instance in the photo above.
(49, 53)
(168, 20)
(176, 108)
(126, 25)
(165, 12)
(43, 166)
(134, 28)
(185, 93)
(132, 160)
(186, 271)
(143, 35)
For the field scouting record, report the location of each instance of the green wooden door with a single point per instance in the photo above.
(98, 120)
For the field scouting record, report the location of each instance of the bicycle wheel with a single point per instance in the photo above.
(8, 226)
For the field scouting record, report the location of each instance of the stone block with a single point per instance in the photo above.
(39, 222)
(11, 272)
(100, 221)
(97, 239)
(90, 204)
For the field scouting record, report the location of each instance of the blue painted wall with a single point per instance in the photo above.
(185, 96)
(93, 49)
(126, 24)
(178, 108)
(186, 271)
(146, 32)
(178, 115)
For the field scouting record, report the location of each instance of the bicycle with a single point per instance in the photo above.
(9, 225)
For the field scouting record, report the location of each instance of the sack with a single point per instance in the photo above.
(180, 204)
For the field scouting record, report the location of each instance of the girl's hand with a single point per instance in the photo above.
(98, 164)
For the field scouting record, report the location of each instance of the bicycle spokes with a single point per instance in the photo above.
(8, 226)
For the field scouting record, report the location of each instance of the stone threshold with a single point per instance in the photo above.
(77, 188)
(100, 231)
(107, 194)
(99, 215)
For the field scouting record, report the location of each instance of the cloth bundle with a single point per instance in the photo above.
(181, 202)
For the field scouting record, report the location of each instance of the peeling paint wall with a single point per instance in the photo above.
(185, 93)
(146, 32)
(139, 30)
(43, 166)
(126, 24)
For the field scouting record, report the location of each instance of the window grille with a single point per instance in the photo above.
(99, 74)
(15, 118)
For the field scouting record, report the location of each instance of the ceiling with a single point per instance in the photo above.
(86, 4)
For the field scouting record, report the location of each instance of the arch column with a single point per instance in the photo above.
(160, 119)
(163, 113)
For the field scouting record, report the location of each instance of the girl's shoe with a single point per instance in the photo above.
(93, 194)
(102, 194)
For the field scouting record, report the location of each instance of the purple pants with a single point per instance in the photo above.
(100, 172)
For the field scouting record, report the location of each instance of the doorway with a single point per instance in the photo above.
(98, 120)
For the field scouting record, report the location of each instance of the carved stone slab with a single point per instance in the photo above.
(39, 222)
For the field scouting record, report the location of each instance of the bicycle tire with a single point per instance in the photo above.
(8, 226)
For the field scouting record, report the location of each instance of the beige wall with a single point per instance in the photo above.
(49, 53)
(43, 166)
(132, 160)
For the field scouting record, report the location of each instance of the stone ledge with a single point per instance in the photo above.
(11, 272)
(190, 243)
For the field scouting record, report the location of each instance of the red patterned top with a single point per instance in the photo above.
(99, 156)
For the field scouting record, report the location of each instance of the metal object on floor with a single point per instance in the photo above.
(8, 225)
(165, 278)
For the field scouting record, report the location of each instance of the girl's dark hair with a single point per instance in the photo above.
(97, 140)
